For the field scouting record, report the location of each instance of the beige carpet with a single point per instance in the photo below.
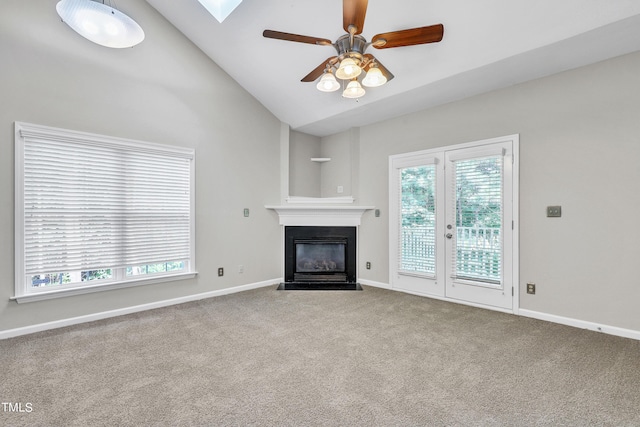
(279, 358)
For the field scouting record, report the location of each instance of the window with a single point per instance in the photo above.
(95, 212)
(417, 252)
(478, 219)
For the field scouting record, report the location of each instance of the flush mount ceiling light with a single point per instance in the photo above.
(220, 9)
(100, 23)
(351, 59)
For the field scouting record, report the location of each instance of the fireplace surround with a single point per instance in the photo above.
(320, 243)
(320, 254)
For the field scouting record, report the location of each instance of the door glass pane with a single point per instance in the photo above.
(418, 220)
(478, 244)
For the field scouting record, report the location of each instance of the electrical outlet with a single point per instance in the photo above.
(241, 269)
(554, 211)
(368, 265)
(531, 288)
(377, 213)
(246, 212)
(220, 271)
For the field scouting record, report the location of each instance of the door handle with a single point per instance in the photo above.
(448, 235)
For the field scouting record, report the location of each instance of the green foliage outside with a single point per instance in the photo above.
(418, 196)
(53, 279)
(478, 194)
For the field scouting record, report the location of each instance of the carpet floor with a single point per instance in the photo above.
(272, 358)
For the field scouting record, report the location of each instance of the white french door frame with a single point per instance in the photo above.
(434, 286)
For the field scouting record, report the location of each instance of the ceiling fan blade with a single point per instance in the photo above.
(353, 13)
(413, 36)
(382, 68)
(317, 72)
(270, 34)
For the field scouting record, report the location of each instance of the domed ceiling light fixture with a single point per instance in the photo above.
(100, 23)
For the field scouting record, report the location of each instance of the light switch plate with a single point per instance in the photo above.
(554, 211)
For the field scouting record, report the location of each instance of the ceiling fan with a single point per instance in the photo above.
(351, 59)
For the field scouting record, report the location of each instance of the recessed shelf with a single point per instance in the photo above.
(320, 159)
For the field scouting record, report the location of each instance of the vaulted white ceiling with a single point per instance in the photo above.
(487, 44)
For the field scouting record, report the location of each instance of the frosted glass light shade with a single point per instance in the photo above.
(328, 83)
(374, 78)
(353, 90)
(348, 69)
(220, 9)
(100, 23)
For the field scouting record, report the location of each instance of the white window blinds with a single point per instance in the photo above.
(92, 202)
(478, 219)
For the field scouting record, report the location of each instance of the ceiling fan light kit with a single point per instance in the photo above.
(348, 69)
(374, 78)
(328, 83)
(351, 47)
(353, 90)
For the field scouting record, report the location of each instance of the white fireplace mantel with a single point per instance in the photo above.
(320, 213)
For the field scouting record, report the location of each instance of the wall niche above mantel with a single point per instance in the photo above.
(323, 167)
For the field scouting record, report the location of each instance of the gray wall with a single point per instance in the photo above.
(164, 90)
(311, 179)
(337, 172)
(304, 175)
(579, 148)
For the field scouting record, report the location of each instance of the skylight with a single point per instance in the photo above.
(220, 9)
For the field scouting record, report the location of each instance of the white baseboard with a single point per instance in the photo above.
(582, 324)
(10, 333)
(576, 323)
(374, 284)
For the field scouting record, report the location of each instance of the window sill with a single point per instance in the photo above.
(59, 293)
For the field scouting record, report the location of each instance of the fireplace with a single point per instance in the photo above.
(319, 257)
(320, 242)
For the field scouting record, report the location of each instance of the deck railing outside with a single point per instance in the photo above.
(478, 252)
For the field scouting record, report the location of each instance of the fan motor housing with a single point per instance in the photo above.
(345, 49)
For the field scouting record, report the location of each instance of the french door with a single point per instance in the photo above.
(452, 228)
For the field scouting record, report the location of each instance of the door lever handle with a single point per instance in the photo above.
(448, 235)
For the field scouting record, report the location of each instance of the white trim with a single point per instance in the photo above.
(431, 156)
(320, 216)
(10, 333)
(321, 200)
(108, 286)
(374, 284)
(551, 318)
(515, 217)
(582, 324)
(455, 301)
(28, 132)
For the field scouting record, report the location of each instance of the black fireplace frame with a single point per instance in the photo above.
(293, 234)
